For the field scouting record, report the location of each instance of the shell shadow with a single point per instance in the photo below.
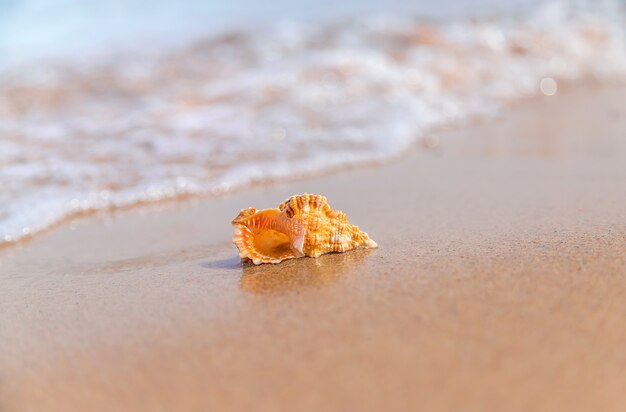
(232, 263)
(300, 274)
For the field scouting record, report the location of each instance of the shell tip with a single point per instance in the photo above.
(371, 244)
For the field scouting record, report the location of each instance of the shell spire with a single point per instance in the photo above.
(303, 225)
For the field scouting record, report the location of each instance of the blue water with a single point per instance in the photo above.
(84, 28)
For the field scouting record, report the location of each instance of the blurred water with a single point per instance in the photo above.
(35, 28)
(93, 115)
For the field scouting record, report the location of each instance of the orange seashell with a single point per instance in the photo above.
(303, 225)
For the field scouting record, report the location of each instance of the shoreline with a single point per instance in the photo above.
(497, 284)
(427, 142)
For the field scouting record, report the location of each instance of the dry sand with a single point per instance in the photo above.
(499, 285)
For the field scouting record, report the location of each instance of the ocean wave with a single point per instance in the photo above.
(225, 112)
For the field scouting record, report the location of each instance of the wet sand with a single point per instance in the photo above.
(499, 284)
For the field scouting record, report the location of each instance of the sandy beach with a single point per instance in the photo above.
(499, 285)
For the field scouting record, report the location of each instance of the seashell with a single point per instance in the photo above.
(302, 225)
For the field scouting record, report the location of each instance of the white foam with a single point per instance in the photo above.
(221, 114)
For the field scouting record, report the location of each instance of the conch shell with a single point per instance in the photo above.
(303, 225)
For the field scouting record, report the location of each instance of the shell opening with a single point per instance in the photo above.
(258, 240)
(272, 243)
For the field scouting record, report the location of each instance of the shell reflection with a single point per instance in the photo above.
(293, 276)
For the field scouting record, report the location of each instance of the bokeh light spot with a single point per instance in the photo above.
(548, 86)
